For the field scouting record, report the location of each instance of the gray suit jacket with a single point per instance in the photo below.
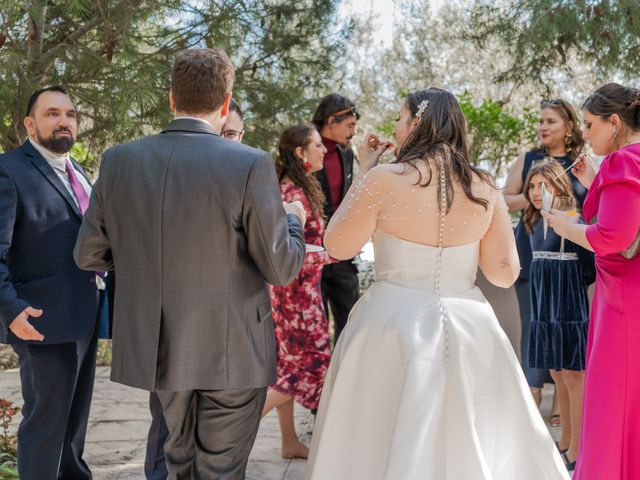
(194, 227)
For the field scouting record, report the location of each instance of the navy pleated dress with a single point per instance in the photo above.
(559, 302)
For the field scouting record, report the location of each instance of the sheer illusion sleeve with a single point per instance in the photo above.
(402, 201)
(498, 255)
(355, 220)
(619, 208)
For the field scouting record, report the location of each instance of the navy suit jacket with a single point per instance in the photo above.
(39, 223)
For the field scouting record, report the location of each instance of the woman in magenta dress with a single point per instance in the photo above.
(611, 427)
(302, 333)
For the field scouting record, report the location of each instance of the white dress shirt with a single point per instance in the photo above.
(58, 163)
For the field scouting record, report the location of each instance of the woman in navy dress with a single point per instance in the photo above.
(560, 138)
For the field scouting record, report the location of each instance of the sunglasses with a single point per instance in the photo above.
(352, 110)
(555, 101)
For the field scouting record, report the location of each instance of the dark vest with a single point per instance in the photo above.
(346, 159)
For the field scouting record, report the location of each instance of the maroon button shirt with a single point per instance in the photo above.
(333, 170)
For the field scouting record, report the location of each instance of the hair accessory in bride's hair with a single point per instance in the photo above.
(421, 108)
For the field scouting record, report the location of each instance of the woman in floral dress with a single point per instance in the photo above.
(302, 334)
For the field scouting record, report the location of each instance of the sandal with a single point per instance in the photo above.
(571, 466)
(562, 451)
(555, 420)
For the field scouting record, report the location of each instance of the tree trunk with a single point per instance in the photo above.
(29, 82)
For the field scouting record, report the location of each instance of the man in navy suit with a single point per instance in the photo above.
(48, 306)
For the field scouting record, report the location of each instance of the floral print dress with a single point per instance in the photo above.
(302, 332)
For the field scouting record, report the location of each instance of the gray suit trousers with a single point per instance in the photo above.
(211, 432)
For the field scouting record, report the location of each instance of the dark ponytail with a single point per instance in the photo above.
(615, 98)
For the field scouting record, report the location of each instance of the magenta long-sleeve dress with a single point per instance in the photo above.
(610, 443)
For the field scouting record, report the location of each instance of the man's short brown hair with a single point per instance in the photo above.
(200, 79)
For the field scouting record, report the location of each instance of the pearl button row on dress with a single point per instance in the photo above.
(444, 315)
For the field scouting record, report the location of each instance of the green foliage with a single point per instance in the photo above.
(386, 128)
(7, 471)
(115, 57)
(540, 37)
(8, 442)
(103, 355)
(494, 135)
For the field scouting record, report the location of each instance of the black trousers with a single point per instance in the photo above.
(57, 386)
(340, 292)
(211, 432)
(155, 467)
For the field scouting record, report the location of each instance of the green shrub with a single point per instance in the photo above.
(8, 441)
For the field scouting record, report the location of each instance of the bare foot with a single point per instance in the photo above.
(295, 450)
(537, 395)
(555, 406)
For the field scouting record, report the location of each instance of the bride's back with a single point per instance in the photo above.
(392, 198)
(411, 212)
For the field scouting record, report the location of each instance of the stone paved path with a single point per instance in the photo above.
(120, 419)
(116, 437)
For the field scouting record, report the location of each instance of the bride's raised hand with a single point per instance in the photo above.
(370, 151)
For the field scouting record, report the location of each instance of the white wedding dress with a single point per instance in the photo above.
(423, 383)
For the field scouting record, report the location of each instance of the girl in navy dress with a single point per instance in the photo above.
(559, 302)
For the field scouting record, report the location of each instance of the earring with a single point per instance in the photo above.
(306, 165)
(567, 139)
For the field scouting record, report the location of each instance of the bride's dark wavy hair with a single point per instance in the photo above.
(442, 134)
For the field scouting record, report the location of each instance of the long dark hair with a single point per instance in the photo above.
(289, 165)
(553, 171)
(574, 142)
(441, 134)
(615, 98)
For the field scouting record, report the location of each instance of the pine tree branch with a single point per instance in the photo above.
(77, 34)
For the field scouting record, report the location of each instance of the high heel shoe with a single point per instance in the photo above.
(571, 466)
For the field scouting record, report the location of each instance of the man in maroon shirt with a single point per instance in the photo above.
(336, 118)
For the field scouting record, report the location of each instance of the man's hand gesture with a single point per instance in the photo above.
(21, 327)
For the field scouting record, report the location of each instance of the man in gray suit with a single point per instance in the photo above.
(154, 464)
(195, 228)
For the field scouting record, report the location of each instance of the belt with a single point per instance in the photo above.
(556, 255)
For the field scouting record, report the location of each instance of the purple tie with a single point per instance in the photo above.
(80, 193)
(78, 189)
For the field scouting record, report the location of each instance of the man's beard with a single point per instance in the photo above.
(56, 144)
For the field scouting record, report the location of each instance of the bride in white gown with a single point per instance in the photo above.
(424, 383)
